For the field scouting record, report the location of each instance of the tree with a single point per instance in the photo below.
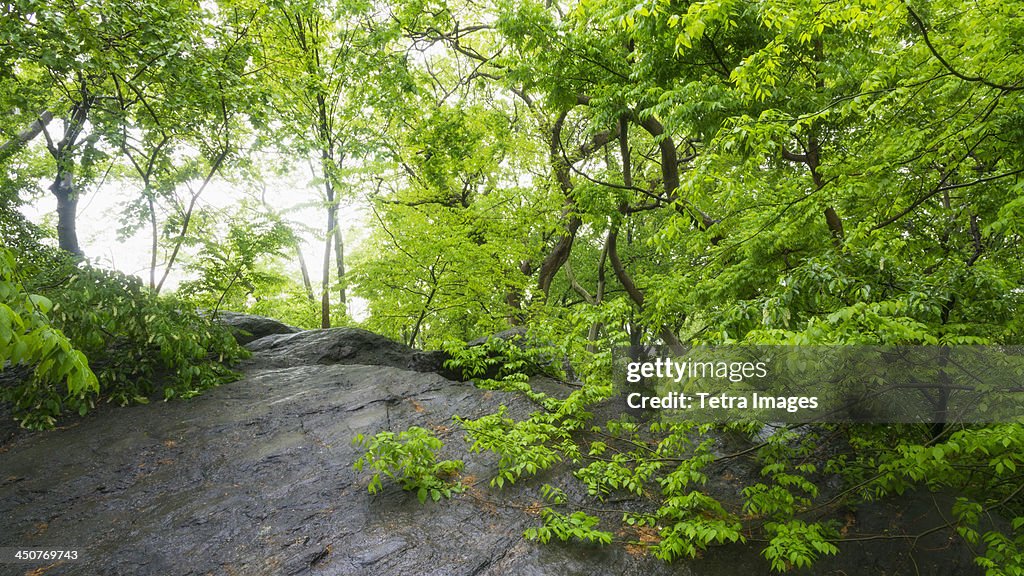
(722, 172)
(231, 267)
(445, 257)
(312, 52)
(183, 128)
(86, 65)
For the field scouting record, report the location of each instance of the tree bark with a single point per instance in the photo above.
(305, 273)
(26, 135)
(154, 240)
(596, 327)
(327, 168)
(339, 262)
(63, 189)
(325, 283)
(558, 255)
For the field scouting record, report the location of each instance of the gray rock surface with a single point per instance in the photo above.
(247, 327)
(343, 346)
(255, 478)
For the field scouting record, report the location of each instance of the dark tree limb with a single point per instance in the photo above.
(635, 294)
(945, 63)
(976, 240)
(670, 171)
(561, 163)
(811, 157)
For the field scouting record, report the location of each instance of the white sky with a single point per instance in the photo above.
(99, 215)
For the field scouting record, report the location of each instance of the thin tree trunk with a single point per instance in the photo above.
(325, 283)
(667, 335)
(305, 273)
(339, 261)
(67, 210)
(154, 240)
(595, 328)
(419, 321)
(188, 218)
(327, 168)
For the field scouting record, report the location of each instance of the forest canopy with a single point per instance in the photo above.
(600, 173)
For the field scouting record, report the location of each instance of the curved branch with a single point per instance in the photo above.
(925, 197)
(635, 294)
(26, 135)
(562, 163)
(948, 66)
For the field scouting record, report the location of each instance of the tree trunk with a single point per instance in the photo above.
(154, 240)
(67, 210)
(64, 184)
(339, 261)
(596, 327)
(325, 283)
(305, 273)
(559, 253)
(188, 216)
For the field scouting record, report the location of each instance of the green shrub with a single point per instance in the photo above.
(140, 343)
(27, 339)
(137, 343)
(410, 458)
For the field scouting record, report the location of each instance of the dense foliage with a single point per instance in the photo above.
(716, 172)
(60, 373)
(599, 172)
(103, 336)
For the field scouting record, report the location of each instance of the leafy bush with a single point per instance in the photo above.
(410, 458)
(28, 339)
(505, 365)
(138, 344)
(136, 339)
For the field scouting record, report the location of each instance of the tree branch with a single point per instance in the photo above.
(26, 135)
(948, 66)
(939, 190)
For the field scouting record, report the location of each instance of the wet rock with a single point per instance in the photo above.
(247, 327)
(343, 346)
(255, 478)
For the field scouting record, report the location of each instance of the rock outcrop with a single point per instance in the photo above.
(255, 478)
(343, 346)
(247, 327)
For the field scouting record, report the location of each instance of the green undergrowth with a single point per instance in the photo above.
(81, 335)
(409, 458)
(665, 487)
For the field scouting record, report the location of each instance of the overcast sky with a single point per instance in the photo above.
(99, 218)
